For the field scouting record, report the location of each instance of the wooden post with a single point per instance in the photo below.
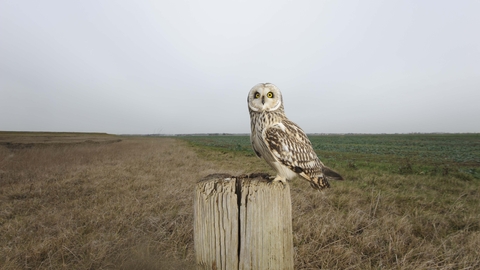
(242, 223)
(216, 223)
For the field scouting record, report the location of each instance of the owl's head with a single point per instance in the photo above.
(265, 97)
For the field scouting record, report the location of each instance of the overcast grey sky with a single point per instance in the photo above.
(187, 66)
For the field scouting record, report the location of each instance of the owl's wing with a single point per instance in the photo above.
(331, 174)
(290, 146)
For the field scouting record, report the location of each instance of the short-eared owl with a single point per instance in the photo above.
(282, 143)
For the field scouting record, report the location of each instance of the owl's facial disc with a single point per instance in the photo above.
(264, 97)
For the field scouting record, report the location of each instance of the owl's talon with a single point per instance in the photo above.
(272, 181)
(278, 179)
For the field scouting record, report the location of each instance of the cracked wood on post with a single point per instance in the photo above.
(242, 222)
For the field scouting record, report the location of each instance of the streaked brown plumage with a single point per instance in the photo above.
(282, 143)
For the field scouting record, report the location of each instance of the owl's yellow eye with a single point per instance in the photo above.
(257, 95)
(270, 95)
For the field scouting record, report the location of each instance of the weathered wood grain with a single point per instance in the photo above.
(242, 223)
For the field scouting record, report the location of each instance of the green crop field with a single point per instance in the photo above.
(432, 154)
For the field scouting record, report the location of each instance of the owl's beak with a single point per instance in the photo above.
(263, 100)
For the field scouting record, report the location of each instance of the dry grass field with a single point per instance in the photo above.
(98, 201)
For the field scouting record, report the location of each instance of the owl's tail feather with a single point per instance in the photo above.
(320, 183)
(331, 174)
